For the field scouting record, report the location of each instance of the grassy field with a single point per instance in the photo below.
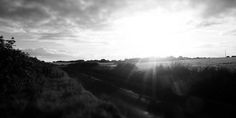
(184, 88)
(229, 63)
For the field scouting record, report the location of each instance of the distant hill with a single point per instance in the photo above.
(32, 88)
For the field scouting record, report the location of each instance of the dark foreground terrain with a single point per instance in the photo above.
(30, 88)
(175, 91)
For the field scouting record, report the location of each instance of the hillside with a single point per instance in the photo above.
(32, 88)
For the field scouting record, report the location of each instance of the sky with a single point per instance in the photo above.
(117, 29)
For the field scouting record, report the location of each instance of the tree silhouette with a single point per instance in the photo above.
(8, 44)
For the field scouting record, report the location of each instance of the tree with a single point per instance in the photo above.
(1, 42)
(8, 44)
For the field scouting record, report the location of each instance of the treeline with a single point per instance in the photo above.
(133, 60)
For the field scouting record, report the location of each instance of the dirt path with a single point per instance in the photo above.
(126, 100)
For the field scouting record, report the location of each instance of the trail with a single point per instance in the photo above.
(127, 100)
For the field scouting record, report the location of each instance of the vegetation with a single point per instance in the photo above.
(33, 88)
(179, 90)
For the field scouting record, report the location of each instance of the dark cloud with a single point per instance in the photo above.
(19, 11)
(90, 13)
(56, 36)
(85, 13)
(44, 54)
(55, 19)
(215, 8)
(65, 36)
(208, 23)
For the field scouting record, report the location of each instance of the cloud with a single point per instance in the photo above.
(215, 8)
(57, 36)
(93, 14)
(231, 32)
(55, 19)
(48, 55)
(207, 23)
(18, 10)
(84, 13)
(65, 23)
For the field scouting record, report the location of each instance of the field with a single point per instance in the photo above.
(183, 88)
(229, 63)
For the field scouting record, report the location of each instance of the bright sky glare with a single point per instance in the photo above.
(118, 29)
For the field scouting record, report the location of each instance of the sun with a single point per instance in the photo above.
(152, 33)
